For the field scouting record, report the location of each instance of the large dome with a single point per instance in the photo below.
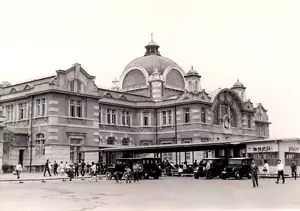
(136, 74)
(152, 62)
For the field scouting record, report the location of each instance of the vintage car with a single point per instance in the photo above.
(237, 168)
(216, 167)
(149, 167)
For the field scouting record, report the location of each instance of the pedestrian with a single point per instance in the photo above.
(88, 166)
(266, 168)
(254, 174)
(294, 169)
(280, 172)
(82, 170)
(93, 172)
(136, 169)
(47, 169)
(128, 174)
(118, 172)
(62, 168)
(18, 169)
(76, 169)
(55, 167)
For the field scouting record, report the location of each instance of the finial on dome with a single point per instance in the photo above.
(192, 67)
(151, 37)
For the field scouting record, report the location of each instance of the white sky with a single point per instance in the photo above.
(257, 42)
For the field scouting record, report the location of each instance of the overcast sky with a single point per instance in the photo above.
(257, 42)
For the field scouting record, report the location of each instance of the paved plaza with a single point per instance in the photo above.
(167, 193)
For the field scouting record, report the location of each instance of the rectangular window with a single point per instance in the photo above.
(146, 118)
(76, 108)
(22, 111)
(164, 117)
(203, 115)
(249, 121)
(72, 86)
(128, 118)
(78, 86)
(169, 117)
(100, 115)
(113, 117)
(9, 113)
(186, 115)
(123, 117)
(108, 116)
(79, 108)
(40, 107)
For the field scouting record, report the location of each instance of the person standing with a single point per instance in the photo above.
(136, 169)
(254, 174)
(280, 172)
(294, 169)
(55, 167)
(18, 169)
(266, 168)
(93, 171)
(82, 170)
(62, 168)
(76, 169)
(47, 169)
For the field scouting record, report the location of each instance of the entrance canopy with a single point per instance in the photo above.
(202, 146)
(168, 147)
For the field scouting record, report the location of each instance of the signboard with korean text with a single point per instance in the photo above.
(262, 147)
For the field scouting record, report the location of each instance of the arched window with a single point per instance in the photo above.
(196, 86)
(217, 115)
(40, 144)
(190, 86)
(110, 141)
(125, 141)
(75, 86)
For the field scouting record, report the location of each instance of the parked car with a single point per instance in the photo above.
(149, 167)
(216, 167)
(237, 168)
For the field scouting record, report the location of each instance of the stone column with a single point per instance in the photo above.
(1, 145)
(156, 81)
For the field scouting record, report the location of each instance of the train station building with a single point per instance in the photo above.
(154, 102)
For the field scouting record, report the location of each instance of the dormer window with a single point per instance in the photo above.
(75, 86)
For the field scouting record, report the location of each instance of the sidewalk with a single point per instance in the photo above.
(9, 177)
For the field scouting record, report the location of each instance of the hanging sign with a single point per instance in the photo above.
(260, 148)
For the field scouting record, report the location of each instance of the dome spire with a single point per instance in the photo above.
(152, 48)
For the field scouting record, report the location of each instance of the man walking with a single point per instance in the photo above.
(294, 169)
(254, 174)
(47, 169)
(18, 169)
(280, 172)
(55, 167)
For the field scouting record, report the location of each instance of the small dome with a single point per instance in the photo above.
(238, 84)
(192, 72)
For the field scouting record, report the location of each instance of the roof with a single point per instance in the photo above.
(202, 146)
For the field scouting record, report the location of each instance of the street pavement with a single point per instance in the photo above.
(167, 193)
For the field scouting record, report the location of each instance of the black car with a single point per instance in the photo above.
(237, 168)
(149, 167)
(216, 167)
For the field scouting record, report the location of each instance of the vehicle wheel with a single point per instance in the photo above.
(196, 176)
(208, 175)
(237, 175)
(156, 177)
(108, 175)
(146, 175)
(222, 176)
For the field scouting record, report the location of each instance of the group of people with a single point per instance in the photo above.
(129, 172)
(280, 171)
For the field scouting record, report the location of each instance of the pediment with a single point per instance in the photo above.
(204, 95)
(122, 97)
(13, 90)
(249, 105)
(108, 95)
(28, 86)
